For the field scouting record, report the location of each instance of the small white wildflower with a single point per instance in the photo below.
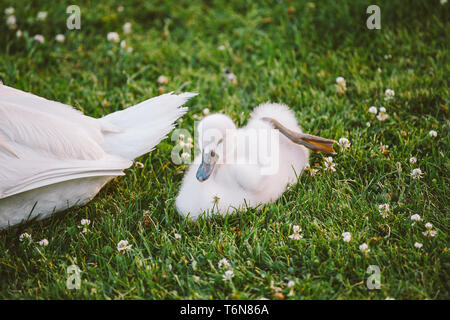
(40, 38)
(296, 235)
(127, 27)
(206, 111)
(340, 80)
(19, 34)
(415, 217)
(329, 164)
(120, 8)
(9, 11)
(85, 222)
(416, 173)
(24, 236)
(42, 15)
(60, 38)
(347, 236)
(43, 242)
(373, 110)
(123, 246)
(418, 245)
(163, 79)
(123, 44)
(384, 209)
(382, 115)
(364, 248)
(177, 235)
(11, 22)
(221, 47)
(368, 124)
(229, 274)
(389, 94)
(290, 284)
(344, 144)
(312, 172)
(113, 36)
(432, 133)
(429, 232)
(223, 263)
(412, 160)
(130, 49)
(428, 225)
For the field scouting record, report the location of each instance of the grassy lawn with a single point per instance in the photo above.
(281, 51)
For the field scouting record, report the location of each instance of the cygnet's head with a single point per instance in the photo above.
(212, 135)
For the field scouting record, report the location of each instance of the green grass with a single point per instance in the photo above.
(280, 51)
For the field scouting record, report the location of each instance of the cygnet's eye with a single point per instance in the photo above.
(213, 154)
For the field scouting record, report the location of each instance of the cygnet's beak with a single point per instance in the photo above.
(314, 143)
(205, 170)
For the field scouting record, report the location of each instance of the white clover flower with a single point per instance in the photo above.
(206, 111)
(11, 22)
(24, 236)
(19, 34)
(344, 144)
(223, 263)
(290, 284)
(163, 79)
(340, 80)
(364, 248)
(229, 274)
(60, 38)
(429, 232)
(43, 242)
(42, 15)
(85, 222)
(130, 49)
(123, 246)
(329, 165)
(113, 36)
(428, 225)
(415, 217)
(312, 172)
(384, 148)
(127, 27)
(9, 11)
(368, 124)
(177, 235)
(384, 209)
(432, 133)
(373, 110)
(416, 173)
(39, 38)
(123, 44)
(412, 160)
(418, 245)
(347, 236)
(221, 47)
(382, 115)
(296, 235)
(120, 8)
(389, 94)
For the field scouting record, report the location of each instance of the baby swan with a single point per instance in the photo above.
(249, 166)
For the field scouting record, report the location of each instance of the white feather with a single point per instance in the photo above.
(53, 157)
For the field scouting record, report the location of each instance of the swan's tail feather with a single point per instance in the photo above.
(135, 131)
